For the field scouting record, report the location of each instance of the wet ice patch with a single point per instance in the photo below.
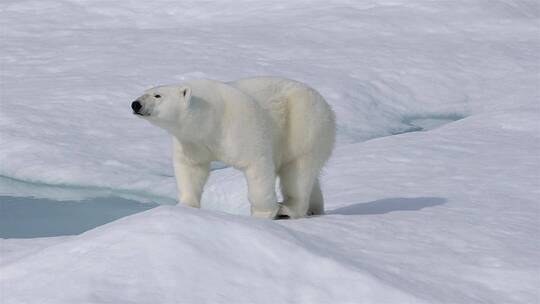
(430, 123)
(426, 123)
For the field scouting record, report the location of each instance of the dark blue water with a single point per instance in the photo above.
(26, 217)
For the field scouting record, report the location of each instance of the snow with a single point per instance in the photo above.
(446, 215)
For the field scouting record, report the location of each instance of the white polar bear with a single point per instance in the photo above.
(264, 126)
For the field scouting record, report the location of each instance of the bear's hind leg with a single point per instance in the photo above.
(297, 179)
(316, 200)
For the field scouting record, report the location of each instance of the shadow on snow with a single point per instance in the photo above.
(387, 205)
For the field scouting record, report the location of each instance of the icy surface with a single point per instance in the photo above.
(448, 215)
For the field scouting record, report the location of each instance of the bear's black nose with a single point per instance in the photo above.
(136, 106)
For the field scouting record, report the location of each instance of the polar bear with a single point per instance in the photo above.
(263, 126)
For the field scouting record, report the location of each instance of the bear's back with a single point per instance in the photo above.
(301, 116)
(266, 88)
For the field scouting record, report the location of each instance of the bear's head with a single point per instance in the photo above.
(164, 106)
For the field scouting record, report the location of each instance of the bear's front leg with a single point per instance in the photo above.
(261, 181)
(190, 180)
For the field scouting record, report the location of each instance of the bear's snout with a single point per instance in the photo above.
(136, 106)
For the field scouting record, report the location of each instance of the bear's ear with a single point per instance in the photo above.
(185, 93)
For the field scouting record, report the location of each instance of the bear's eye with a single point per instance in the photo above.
(157, 96)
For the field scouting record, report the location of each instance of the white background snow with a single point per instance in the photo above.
(446, 215)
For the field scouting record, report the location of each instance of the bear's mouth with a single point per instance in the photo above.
(140, 113)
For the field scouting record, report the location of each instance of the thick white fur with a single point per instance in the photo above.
(264, 126)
